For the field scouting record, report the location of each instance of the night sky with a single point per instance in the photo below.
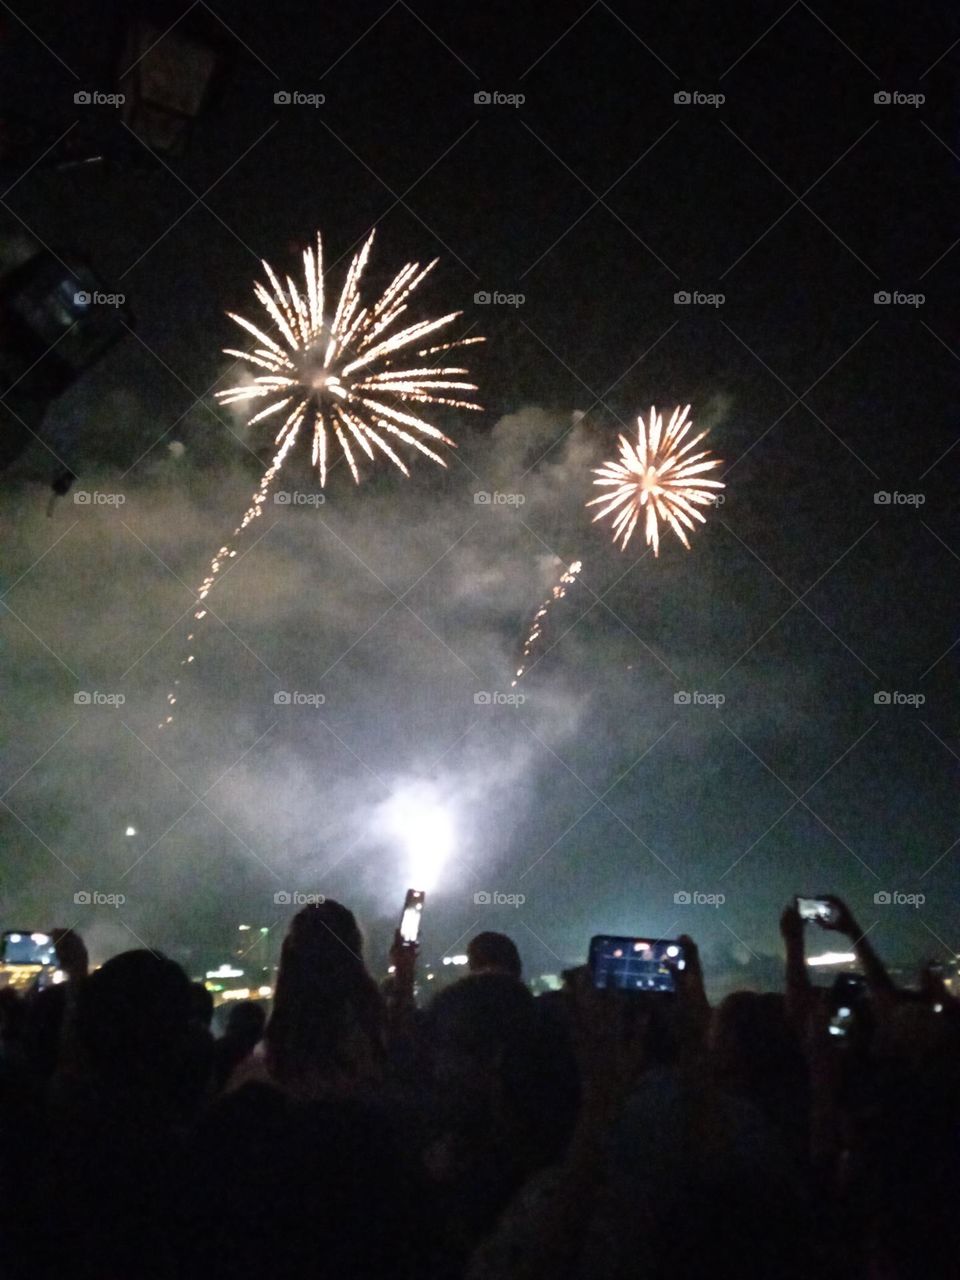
(598, 198)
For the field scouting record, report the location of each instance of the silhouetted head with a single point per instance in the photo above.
(327, 931)
(479, 1025)
(201, 1004)
(494, 953)
(133, 1019)
(71, 953)
(327, 1020)
(245, 1022)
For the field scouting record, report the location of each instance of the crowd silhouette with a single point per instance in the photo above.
(488, 1135)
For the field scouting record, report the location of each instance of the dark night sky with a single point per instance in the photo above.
(598, 198)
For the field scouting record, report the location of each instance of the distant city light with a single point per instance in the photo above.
(832, 957)
(460, 959)
(131, 831)
(225, 971)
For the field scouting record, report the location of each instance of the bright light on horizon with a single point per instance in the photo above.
(832, 957)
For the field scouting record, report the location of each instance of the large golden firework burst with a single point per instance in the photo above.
(339, 374)
(659, 475)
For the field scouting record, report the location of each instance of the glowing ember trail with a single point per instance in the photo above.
(566, 579)
(338, 375)
(657, 474)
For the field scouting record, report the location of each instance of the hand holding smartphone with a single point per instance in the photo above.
(635, 964)
(410, 919)
(821, 910)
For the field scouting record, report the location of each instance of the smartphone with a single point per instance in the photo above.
(849, 989)
(818, 909)
(20, 947)
(635, 964)
(410, 920)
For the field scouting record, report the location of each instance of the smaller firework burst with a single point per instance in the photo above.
(660, 474)
(557, 592)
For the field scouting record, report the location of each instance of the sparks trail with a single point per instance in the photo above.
(657, 474)
(340, 376)
(557, 592)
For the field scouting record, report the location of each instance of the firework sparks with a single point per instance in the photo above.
(557, 592)
(661, 474)
(338, 376)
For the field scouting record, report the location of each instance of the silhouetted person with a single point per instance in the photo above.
(308, 1172)
(48, 1010)
(117, 1117)
(494, 953)
(495, 1114)
(326, 1030)
(201, 1001)
(244, 1031)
